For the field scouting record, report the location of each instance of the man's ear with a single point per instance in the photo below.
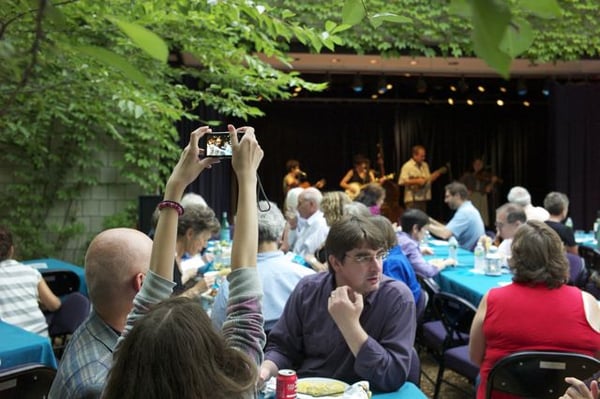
(137, 281)
(334, 262)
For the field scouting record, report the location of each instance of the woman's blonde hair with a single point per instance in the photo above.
(332, 205)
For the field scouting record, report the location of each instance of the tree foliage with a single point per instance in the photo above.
(540, 30)
(78, 76)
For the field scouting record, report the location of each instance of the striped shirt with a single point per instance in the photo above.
(19, 297)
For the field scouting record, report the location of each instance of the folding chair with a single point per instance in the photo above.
(74, 309)
(451, 344)
(539, 374)
(578, 275)
(28, 381)
(61, 281)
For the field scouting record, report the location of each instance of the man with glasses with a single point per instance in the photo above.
(508, 218)
(351, 323)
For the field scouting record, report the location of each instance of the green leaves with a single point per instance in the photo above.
(151, 43)
(353, 12)
(114, 60)
(518, 37)
(542, 8)
(490, 20)
(378, 19)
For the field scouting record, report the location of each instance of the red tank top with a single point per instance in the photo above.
(520, 317)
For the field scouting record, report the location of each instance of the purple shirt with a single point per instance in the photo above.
(307, 339)
(411, 249)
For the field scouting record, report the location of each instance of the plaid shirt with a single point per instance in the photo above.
(84, 366)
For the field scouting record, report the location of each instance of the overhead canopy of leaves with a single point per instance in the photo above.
(437, 27)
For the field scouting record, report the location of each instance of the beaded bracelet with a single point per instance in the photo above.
(171, 204)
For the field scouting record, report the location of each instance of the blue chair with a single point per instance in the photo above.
(539, 374)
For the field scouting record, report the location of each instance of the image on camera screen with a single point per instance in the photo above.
(218, 145)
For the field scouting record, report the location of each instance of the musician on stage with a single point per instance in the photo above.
(480, 183)
(416, 180)
(357, 177)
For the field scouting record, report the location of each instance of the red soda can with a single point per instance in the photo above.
(286, 384)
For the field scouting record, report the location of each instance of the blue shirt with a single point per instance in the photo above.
(466, 225)
(307, 339)
(278, 274)
(397, 266)
(84, 366)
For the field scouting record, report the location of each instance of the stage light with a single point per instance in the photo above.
(357, 83)
(481, 88)
(500, 102)
(546, 88)
(521, 87)
(451, 101)
(469, 101)
(382, 85)
(452, 88)
(421, 85)
(503, 89)
(526, 103)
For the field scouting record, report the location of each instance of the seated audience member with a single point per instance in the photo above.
(372, 195)
(22, 291)
(169, 348)
(278, 273)
(356, 209)
(557, 205)
(414, 224)
(333, 206)
(115, 265)
(538, 311)
(192, 199)
(311, 228)
(194, 228)
(520, 196)
(290, 212)
(508, 218)
(395, 264)
(350, 323)
(466, 225)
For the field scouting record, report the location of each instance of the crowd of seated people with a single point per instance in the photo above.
(346, 310)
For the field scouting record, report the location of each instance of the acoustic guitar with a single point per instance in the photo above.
(354, 188)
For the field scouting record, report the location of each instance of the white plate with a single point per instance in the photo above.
(439, 243)
(319, 379)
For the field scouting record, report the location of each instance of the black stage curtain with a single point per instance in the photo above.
(574, 159)
(324, 136)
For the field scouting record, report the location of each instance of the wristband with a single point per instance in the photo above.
(171, 204)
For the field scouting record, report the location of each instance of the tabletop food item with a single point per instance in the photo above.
(320, 386)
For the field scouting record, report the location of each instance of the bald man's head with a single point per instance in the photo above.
(115, 263)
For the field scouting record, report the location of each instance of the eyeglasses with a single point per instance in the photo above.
(362, 259)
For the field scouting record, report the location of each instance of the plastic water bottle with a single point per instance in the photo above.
(453, 249)
(224, 234)
(569, 223)
(479, 257)
(492, 262)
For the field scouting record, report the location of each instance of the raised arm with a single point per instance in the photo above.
(188, 168)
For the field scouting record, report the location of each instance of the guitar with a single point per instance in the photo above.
(354, 188)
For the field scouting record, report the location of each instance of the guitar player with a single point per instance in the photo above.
(416, 179)
(358, 176)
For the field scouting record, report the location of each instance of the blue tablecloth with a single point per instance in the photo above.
(586, 238)
(461, 280)
(50, 263)
(408, 391)
(18, 347)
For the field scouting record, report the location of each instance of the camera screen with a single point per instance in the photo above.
(218, 144)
